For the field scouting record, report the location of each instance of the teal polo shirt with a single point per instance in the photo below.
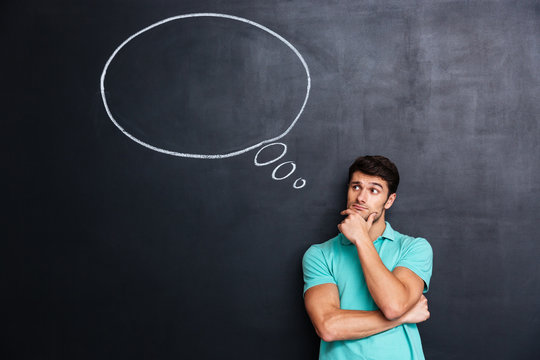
(336, 261)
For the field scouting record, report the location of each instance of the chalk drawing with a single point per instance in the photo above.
(299, 183)
(204, 156)
(293, 168)
(257, 163)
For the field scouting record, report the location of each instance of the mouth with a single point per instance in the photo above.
(359, 207)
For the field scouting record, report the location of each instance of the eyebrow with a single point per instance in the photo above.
(371, 183)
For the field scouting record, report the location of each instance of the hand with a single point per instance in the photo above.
(418, 313)
(354, 227)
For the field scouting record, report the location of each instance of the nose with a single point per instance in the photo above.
(361, 197)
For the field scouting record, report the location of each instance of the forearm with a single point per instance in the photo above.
(354, 324)
(388, 292)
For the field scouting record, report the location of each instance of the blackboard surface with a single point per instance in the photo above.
(115, 250)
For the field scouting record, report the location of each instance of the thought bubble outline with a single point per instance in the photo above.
(204, 156)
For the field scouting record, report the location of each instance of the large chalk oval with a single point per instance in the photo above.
(205, 85)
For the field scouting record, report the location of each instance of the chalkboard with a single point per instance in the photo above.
(169, 162)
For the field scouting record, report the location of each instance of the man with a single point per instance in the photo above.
(363, 288)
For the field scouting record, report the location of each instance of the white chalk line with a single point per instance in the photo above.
(204, 156)
(293, 168)
(296, 184)
(257, 163)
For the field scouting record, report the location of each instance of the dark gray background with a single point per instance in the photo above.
(114, 251)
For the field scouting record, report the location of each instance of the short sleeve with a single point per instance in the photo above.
(316, 269)
(418, 257)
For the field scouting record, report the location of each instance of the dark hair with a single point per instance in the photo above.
(376, 165)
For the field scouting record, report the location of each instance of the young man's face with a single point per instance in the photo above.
(368, 194)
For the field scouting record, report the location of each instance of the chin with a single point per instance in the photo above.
(377, 218)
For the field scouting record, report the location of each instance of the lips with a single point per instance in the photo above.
(359, 207)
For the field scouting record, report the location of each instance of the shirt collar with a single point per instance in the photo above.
(388, 233)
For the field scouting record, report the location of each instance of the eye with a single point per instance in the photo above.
(375, 191)
(356, 187)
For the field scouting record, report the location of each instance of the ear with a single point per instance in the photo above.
(390, 201)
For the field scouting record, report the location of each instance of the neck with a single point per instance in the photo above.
(377, 228)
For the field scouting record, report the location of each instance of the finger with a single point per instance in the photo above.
(371, 218)
(348, 212)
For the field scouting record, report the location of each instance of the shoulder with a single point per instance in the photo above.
(417, 242)
(410, 245)
(407, 241)
(324, 249)
(416, 255)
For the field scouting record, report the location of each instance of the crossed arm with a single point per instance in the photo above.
(333, 323)
(394, 292)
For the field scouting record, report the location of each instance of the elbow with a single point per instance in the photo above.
(393, 311)
(327, 336)
(326, 331)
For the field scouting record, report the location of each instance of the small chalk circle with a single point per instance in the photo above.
(298, 186)
(293, 168)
